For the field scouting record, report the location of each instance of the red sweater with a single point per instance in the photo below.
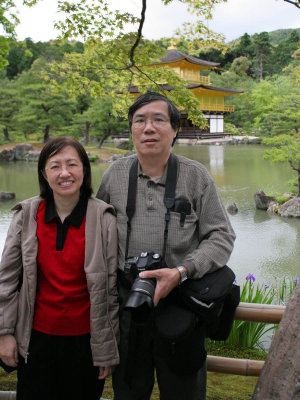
(62, 299)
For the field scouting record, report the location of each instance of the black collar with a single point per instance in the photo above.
(76, 216)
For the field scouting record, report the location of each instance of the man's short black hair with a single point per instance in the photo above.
(53, 147)
(149, 97)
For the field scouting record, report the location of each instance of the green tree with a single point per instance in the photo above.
(241, 65)
(8, 21)
(9, 105)
(19, 59)
(101, 121)
(275, 104)
(263, 49)
(245, 47)
(22, 54)
(41, 108)
(283, 53)
(285, 148)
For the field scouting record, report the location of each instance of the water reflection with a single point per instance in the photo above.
(216, 160)
(267, 249)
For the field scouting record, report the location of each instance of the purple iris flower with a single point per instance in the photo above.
(296, 280)
(251, 277)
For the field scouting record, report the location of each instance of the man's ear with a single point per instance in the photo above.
(175, 137)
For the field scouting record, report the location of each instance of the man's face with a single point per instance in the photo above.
(152, 133)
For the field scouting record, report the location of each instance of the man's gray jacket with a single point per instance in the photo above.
(204, 242)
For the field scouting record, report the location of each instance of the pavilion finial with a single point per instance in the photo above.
(173, 45)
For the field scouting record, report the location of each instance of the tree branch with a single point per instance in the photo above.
(139, 34)
(293, 167)
(296, 3)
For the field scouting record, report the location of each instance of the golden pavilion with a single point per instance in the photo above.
(212, 98)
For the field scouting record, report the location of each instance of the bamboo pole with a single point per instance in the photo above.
(7, 395)
(268, 313)
(235, 366)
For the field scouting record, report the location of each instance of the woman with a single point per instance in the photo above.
(58, 296)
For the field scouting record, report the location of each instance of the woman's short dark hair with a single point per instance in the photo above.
(53, 147)
(147, 98)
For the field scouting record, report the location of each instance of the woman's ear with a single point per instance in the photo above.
(44, 175)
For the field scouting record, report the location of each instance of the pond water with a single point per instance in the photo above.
(266, 246)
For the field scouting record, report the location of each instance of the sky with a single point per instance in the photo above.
(232, 19)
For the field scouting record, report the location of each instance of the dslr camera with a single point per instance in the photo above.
(140, 299)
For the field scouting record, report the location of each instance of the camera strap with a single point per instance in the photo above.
(169, 197)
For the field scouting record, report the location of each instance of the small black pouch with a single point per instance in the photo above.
(214, 299)
(180, 338)
(219, 328)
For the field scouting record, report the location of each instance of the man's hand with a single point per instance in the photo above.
(166, 280)
(105, 371)
(9, 350)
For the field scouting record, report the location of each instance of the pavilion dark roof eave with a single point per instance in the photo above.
(134, 89)
(214, 88)
(174, 55)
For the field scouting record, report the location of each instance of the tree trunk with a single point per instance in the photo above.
(101, 141)
(260, 66)
(86, 137)
(6, 134)
(46, 133)
(280, 377)
(298, 191)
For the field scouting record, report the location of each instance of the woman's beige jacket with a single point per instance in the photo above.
(19, 256)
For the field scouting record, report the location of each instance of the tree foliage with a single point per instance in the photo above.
(285, 148)
(88, 76)
(114, 65)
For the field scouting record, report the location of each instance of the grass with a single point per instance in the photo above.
(219, 386)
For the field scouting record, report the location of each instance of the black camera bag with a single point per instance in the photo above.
(179, 337)
(214, 299)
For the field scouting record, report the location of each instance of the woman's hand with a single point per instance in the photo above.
(105, 371)
(9, 350)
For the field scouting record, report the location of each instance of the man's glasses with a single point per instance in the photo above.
(157, 122)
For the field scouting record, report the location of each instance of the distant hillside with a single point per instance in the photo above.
(276, 37)
(280, 35)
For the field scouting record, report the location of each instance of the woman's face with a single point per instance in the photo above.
(64, 173)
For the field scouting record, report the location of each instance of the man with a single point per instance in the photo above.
(199, 240)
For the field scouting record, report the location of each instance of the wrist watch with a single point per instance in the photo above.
(183, 275)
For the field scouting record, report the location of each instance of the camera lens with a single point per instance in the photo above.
(140, 300)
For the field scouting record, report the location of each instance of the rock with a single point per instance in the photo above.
(262, 201)
(115, 157)
(33, 155)
(256, 141)
(232, 208)
(21, 150)
(7, 195)
(129, 153)
(273, 207)
(287, 196)
(280, 377)
(7, 155)
(291, 208)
